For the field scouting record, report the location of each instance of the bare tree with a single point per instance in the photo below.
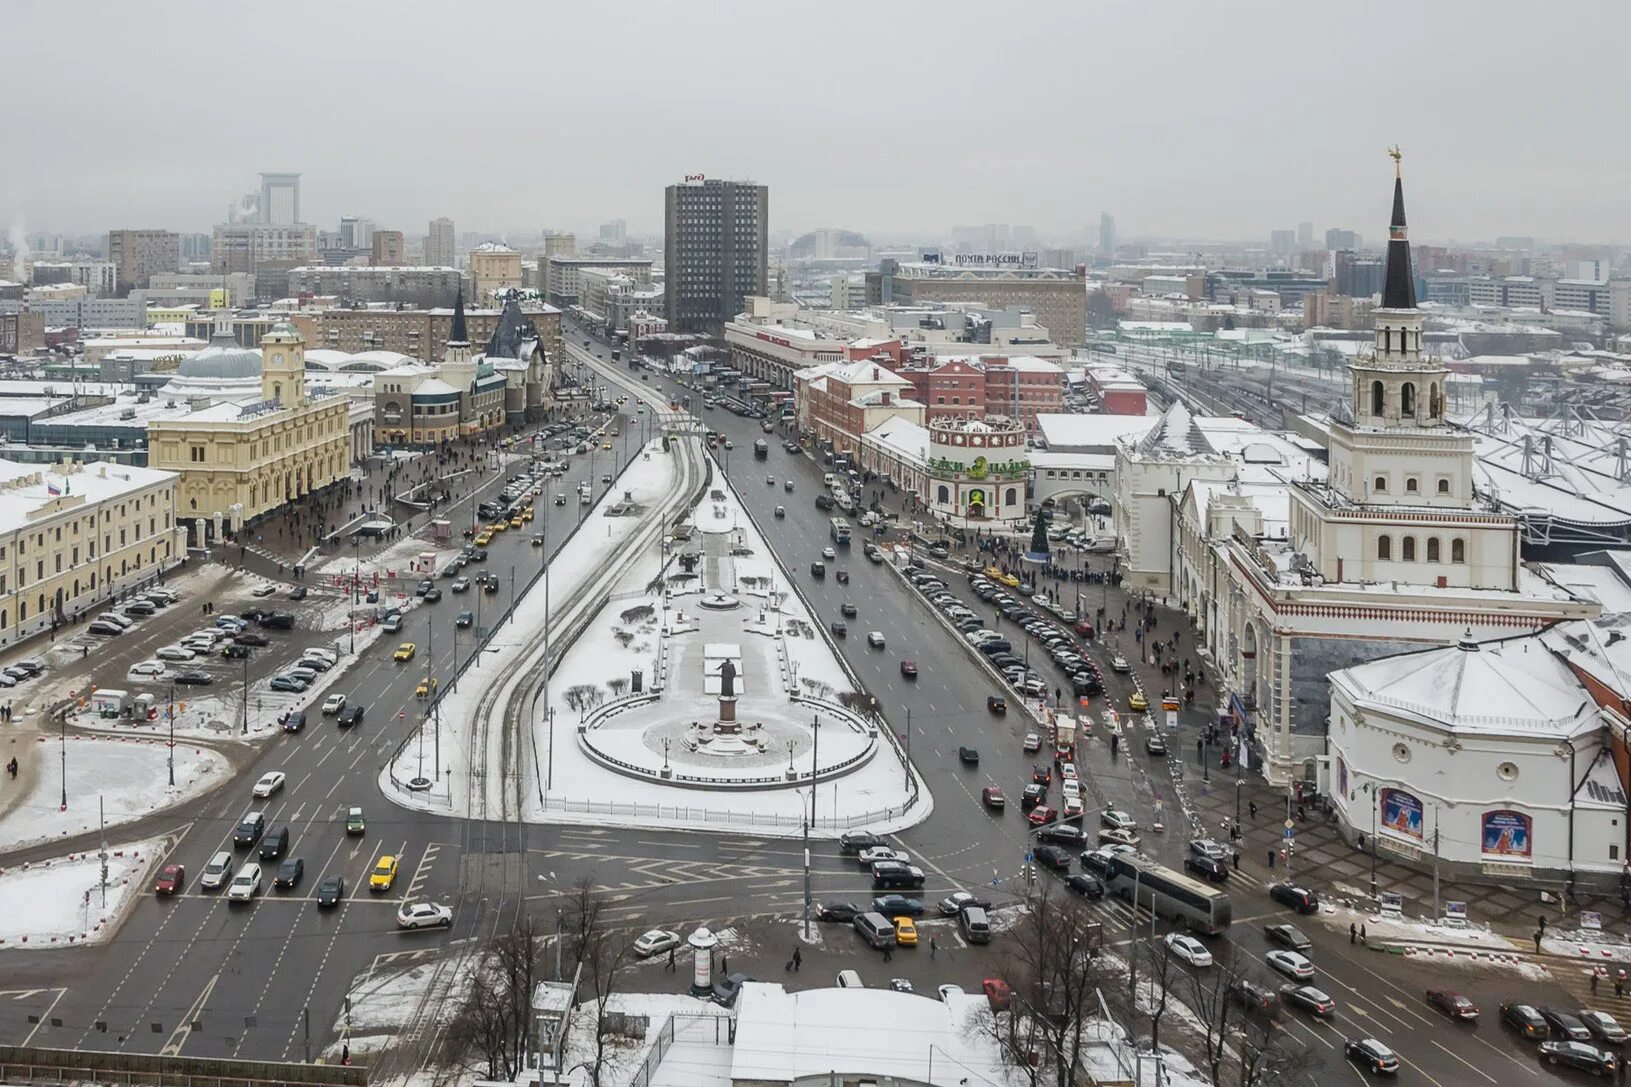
(1271, 1057)
(600, 950)
(618, 686)
(1219, 1010)
(1160, 971)
(491, 1028)
(584, 696)
(1055, 972)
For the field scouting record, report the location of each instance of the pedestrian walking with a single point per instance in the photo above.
(671, 960)
(1353, 933)
(888, 953)
(798, 959)
(1594, 976)
(1253, 808)
(1619, 984)
(1237, 860)
(1271, 865)
(1362, 937)
(1537, 941)
(1542, 922)
(934, 947)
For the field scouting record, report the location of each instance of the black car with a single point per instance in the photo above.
(1603, 1027)
(350, 715)
(1062, 834)
(996, 703)
(1300, 899)
(1085, 885)
(1255, 997)
(1207, 868)
(289, 873)
(236, 651)
(840, 629)
(275, 844)
(1052, 856)
(294, 721)
(298, 593)
(898, 906)
(433, 595)
(727, 989)
(330, 892)
(251, 637)
(193, 679)
(847, 610)
(1289, 935)
(1579, 1055)
(464, 619)
(853, 841)
(1525, 1019)
(970, 756)
(1373, 1055)
(838, 911)
(1309, 999)
(1564, 1025)
(1033, 795)
(818, 569)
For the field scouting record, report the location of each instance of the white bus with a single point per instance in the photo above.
(840, 531)
(1200, 906)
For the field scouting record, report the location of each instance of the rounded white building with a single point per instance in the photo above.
(1492, 755)
(977, 470)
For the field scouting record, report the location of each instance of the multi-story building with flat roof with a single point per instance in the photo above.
(73, 535)
(387, 248)
(243, 247)
(439, 247)
(561, 277)
(494, 267)
(138, 254)
(414, 286)
(715, 250)
(1057, 297)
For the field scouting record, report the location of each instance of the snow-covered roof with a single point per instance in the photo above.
(1090, 432)
(782, 1037)
(900, 436)
(25, 489)
(1510, 687)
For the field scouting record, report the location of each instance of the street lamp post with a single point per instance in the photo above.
(244, 729)
(171, 712)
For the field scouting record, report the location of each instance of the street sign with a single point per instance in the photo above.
(1391, 904)
(1290, 834)
(1455, 914)
(1290, 824)
(1591, 919)
(1028, 857)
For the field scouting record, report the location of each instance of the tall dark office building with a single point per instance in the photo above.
(715, 251)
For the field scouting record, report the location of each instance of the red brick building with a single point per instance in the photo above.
(1017, 386)
(840, 401)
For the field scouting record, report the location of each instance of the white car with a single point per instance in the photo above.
(1067, 772)
(949, 991)
(334, 703)
(148, 669)
(1118, 663)
(871, 856)
(1073, 808)
(328, 655)
(263, 590)
(828, 553)
(656, 942)
(1189, 949)
(246, 884)
(874, 638)
(1118, 835)
(1291, 964)
(1116, 819)
(414, 915)
(208, 634)
(174, 653)
(1070, 788)
(269, 783)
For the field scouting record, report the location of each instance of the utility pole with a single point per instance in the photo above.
(1435, 866)
(435, 703)
(102, 828)
(244, 727)
(908, 766)
(171, 711)
(305, 1021)
(63, 718)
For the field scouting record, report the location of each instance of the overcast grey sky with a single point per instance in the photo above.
(1196, 120)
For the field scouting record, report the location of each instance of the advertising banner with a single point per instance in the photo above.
(1342, 776)
(1401, 813)
(1506, 834)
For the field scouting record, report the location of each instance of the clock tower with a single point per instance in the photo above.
(283, 365)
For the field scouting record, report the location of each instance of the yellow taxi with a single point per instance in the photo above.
(1009, 580)
(605, 445)
(405, 652)
(483, 539)
(516, 522)
(426, 688)
(905, 932)
(526, 514)
(383, 875)
(1138, 701)
(498, 526)
(993, 573)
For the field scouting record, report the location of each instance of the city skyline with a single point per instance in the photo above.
(1183, 140)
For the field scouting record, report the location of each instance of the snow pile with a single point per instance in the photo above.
(60, 902)
(129, 777)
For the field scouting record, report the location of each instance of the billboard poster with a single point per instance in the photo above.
(1401, 813)
(1342, 776)
(1506, 834)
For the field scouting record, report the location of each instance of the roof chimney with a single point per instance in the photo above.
(874, 373)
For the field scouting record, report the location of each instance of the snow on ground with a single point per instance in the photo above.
(60, 901)
(1111, 1056)
(129, 776)
(694, 1058)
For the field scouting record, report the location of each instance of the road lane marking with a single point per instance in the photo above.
(178, 1037)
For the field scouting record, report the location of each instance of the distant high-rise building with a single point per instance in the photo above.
(716, 250)
(138, 254)
(280, 199)
(1305, 235)
(387, 246)
(559, 244)
(439, 249)
(1107, 233)
(1337, 238)
(614, 231)
(1282, 241)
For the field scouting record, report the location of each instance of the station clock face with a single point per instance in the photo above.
(277, 359)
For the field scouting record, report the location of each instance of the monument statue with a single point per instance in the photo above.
(727, 680)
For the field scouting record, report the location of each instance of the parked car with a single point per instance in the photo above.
(1525, 1019)
(1461, 1009)
(1289, 935)
(1579, 1056)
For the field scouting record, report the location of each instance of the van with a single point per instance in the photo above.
(876, 929)
(392, 623)
(275, 844)
(975, 924)
(216, 872)
(829, 480)
(896, 876)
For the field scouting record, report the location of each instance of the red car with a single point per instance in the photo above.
(992, 797)
(1084, 628)
(172, 878)
(1042, 814)
(997, 992)
(908, 669)
(1454, 1005)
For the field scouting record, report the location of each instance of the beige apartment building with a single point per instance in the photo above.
(73, 534)
(417, 333)
(138, 255)
(493, 266)
(240, 459)
(1057, 297)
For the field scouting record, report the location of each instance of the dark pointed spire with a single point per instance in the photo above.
(460, 333)
(1399, 286)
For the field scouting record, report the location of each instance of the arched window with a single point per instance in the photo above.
(1408, 552)
(1410, 485)
(942, 494)
(1011, 497)
(1378, 398)
(1432, 549)
(1458, 550)
(1407, 399)
(1380, 485)
(1435, 405)
(1384, 548)
(1443, 486)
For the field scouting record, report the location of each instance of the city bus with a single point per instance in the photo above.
(840, 531)
(1200, 906)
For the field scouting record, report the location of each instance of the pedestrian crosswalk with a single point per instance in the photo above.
(1576, 980)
